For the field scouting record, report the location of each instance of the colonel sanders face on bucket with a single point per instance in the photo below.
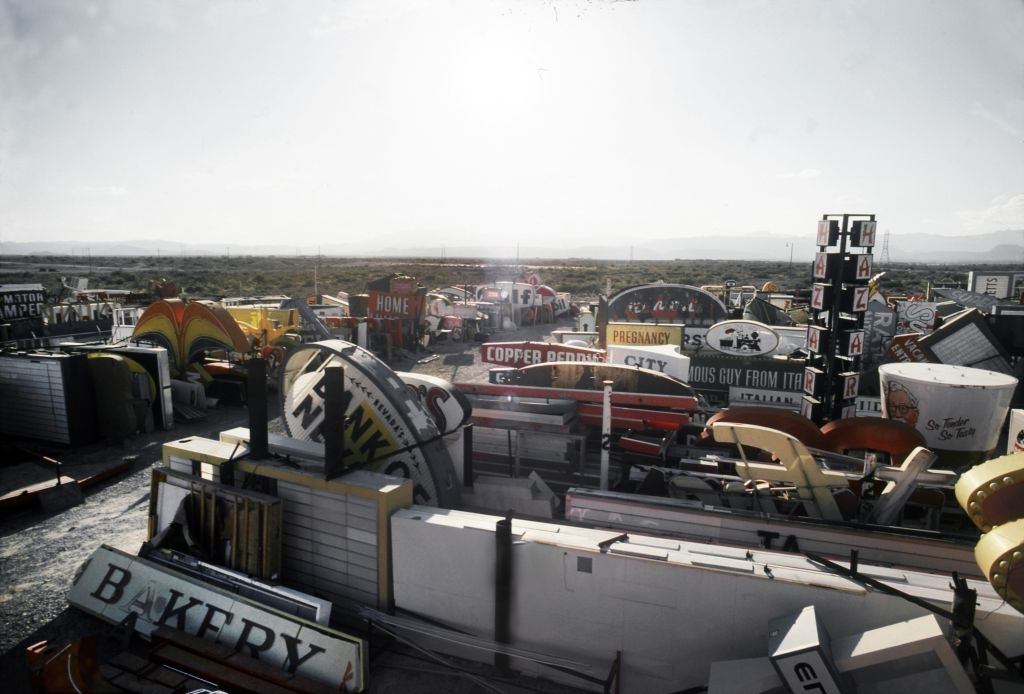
(900, 404)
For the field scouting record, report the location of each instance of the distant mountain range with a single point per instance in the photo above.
(996, 247)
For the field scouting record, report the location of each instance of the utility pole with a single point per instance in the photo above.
(886, 261)
(316, 273)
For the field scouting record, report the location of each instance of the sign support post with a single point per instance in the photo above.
(606, 434)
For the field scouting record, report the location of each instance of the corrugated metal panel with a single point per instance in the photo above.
(330, 543)
(36, 398)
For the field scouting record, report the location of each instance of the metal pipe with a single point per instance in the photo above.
(256, 398)
(467, 456)
(333, 426)
(606, 434)
(503, 589)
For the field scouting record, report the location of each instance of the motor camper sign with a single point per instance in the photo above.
(20, 302)
(742, 337)
(116, 586)
(520, 354)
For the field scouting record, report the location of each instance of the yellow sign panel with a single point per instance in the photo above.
(644, 334)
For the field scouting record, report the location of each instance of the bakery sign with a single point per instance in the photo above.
(520, 354)
(116, 586)
(742, 337)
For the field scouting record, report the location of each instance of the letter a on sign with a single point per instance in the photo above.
(855, 347)
(864, 267)
(820, 266)
(813, 342)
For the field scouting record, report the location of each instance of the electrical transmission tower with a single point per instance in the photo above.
(885, 261)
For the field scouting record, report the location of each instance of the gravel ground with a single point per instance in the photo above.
(40, 553)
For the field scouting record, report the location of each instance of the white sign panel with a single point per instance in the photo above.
(665, 359)
(1001, 285)
(114, 585)
(915, 317)
(742, 337)
(956, 408)
(784, 399)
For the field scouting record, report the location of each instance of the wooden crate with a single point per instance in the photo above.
(238, 529)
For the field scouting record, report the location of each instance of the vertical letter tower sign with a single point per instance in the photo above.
(839, 298)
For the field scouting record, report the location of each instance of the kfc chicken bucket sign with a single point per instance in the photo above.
(959, 410)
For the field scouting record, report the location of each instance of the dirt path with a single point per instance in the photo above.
(40, 553)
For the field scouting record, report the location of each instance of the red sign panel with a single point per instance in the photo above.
(390, 305)
(828, 232)
(520, 354)
(403, 285)
(821, 265)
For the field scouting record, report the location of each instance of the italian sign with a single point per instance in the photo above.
(114, 586)
(644, 334)
(520, 354)
(715, 375)
(783, 399)
(385, 426)
(742, 337)
(671, 303)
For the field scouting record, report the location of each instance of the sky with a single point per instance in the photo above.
(475, 122)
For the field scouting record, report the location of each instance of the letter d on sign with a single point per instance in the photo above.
(117, 585)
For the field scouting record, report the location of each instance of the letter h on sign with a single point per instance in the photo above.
(828, 232)
(862, 233)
